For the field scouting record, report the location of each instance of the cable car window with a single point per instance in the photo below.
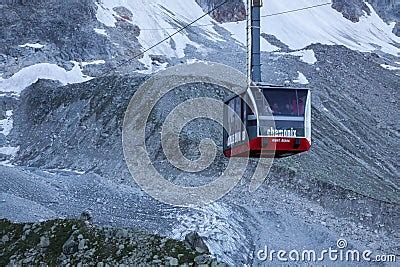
(234, 121)
(238, 120)
(302, 99)
(231, 118)
(283, 102)
(238, 112)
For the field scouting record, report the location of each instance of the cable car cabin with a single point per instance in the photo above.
(268, 121)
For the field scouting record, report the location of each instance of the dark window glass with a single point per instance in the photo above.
(238, 111)
(286, 102)
(233, 121)
(231, 117)
(302, 99)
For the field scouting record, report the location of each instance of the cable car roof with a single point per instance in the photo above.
(266, 86)
(273, 86)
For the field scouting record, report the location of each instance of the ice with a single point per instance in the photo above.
(29, 75)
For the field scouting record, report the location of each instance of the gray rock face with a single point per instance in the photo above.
(351, 10)
(389, 10)
(66, 29)
(233, 10)
(89, 137)
(88, 108)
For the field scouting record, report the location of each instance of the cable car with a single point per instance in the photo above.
(265, 120)
(268, 121)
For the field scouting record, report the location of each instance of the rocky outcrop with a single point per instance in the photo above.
(351, 10)
(231, 11)
(72, 242)
(388, 10)
(396, 29)
(196, 242)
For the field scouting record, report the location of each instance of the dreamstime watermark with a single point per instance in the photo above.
(339, 253)
(136, 117)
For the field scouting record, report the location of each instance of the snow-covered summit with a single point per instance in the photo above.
(159, 19)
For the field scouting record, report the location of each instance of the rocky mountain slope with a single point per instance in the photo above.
(77, 243)
(389, 10)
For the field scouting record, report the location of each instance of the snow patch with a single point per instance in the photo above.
(31, 74)
(105, 15)
(9, 150)
(195, 60)
(388, 67)
(37, 45)
(71, 170)
(100, 31)
(301, 79)
(94, 62)
(307, 56)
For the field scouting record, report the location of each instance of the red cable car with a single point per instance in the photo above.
(268, 121)
(265, 121)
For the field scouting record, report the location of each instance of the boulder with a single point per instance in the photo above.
(86, 216)
(70, 246)
(196, 242)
